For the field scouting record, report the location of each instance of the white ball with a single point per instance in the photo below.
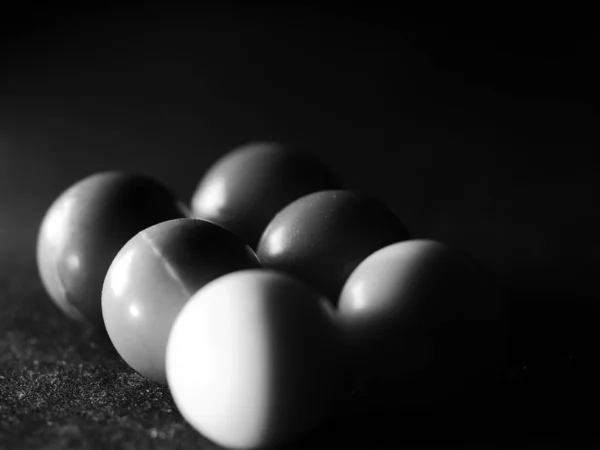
(254, 359)
(425, 323)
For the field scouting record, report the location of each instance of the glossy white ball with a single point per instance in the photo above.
(254, 359)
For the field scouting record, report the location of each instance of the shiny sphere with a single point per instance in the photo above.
(84, 229)
(154, 275)
(322, 237)
(254, 360)
(245, 188)
(425, 322)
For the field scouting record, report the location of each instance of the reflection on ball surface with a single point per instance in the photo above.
(244, 189)
(154, 275)
(322, 237)
(84, 229)
(424, 320)
(254, 359)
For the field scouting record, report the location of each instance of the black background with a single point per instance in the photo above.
(477, 126)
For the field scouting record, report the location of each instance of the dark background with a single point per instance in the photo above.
(478, 127)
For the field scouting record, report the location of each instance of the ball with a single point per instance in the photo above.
(84, 229)
(323, 236)
(154, 275)
(425, 321)
(254, 360)
(245, 188)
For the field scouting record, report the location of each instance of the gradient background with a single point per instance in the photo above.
(478, 130)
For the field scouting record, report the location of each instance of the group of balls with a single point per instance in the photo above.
(255, 304)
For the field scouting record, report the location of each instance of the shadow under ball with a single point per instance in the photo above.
(322, 237)
(85, 228)
(245, 188)
(153, 277)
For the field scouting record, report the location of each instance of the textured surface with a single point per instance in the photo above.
(61, 387)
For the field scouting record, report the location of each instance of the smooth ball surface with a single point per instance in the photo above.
(425, 322)
(254, 359)
(154, 275)
(245, 188)
(322, 237)
(85, 228)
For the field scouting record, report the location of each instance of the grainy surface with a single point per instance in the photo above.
(62, 386)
